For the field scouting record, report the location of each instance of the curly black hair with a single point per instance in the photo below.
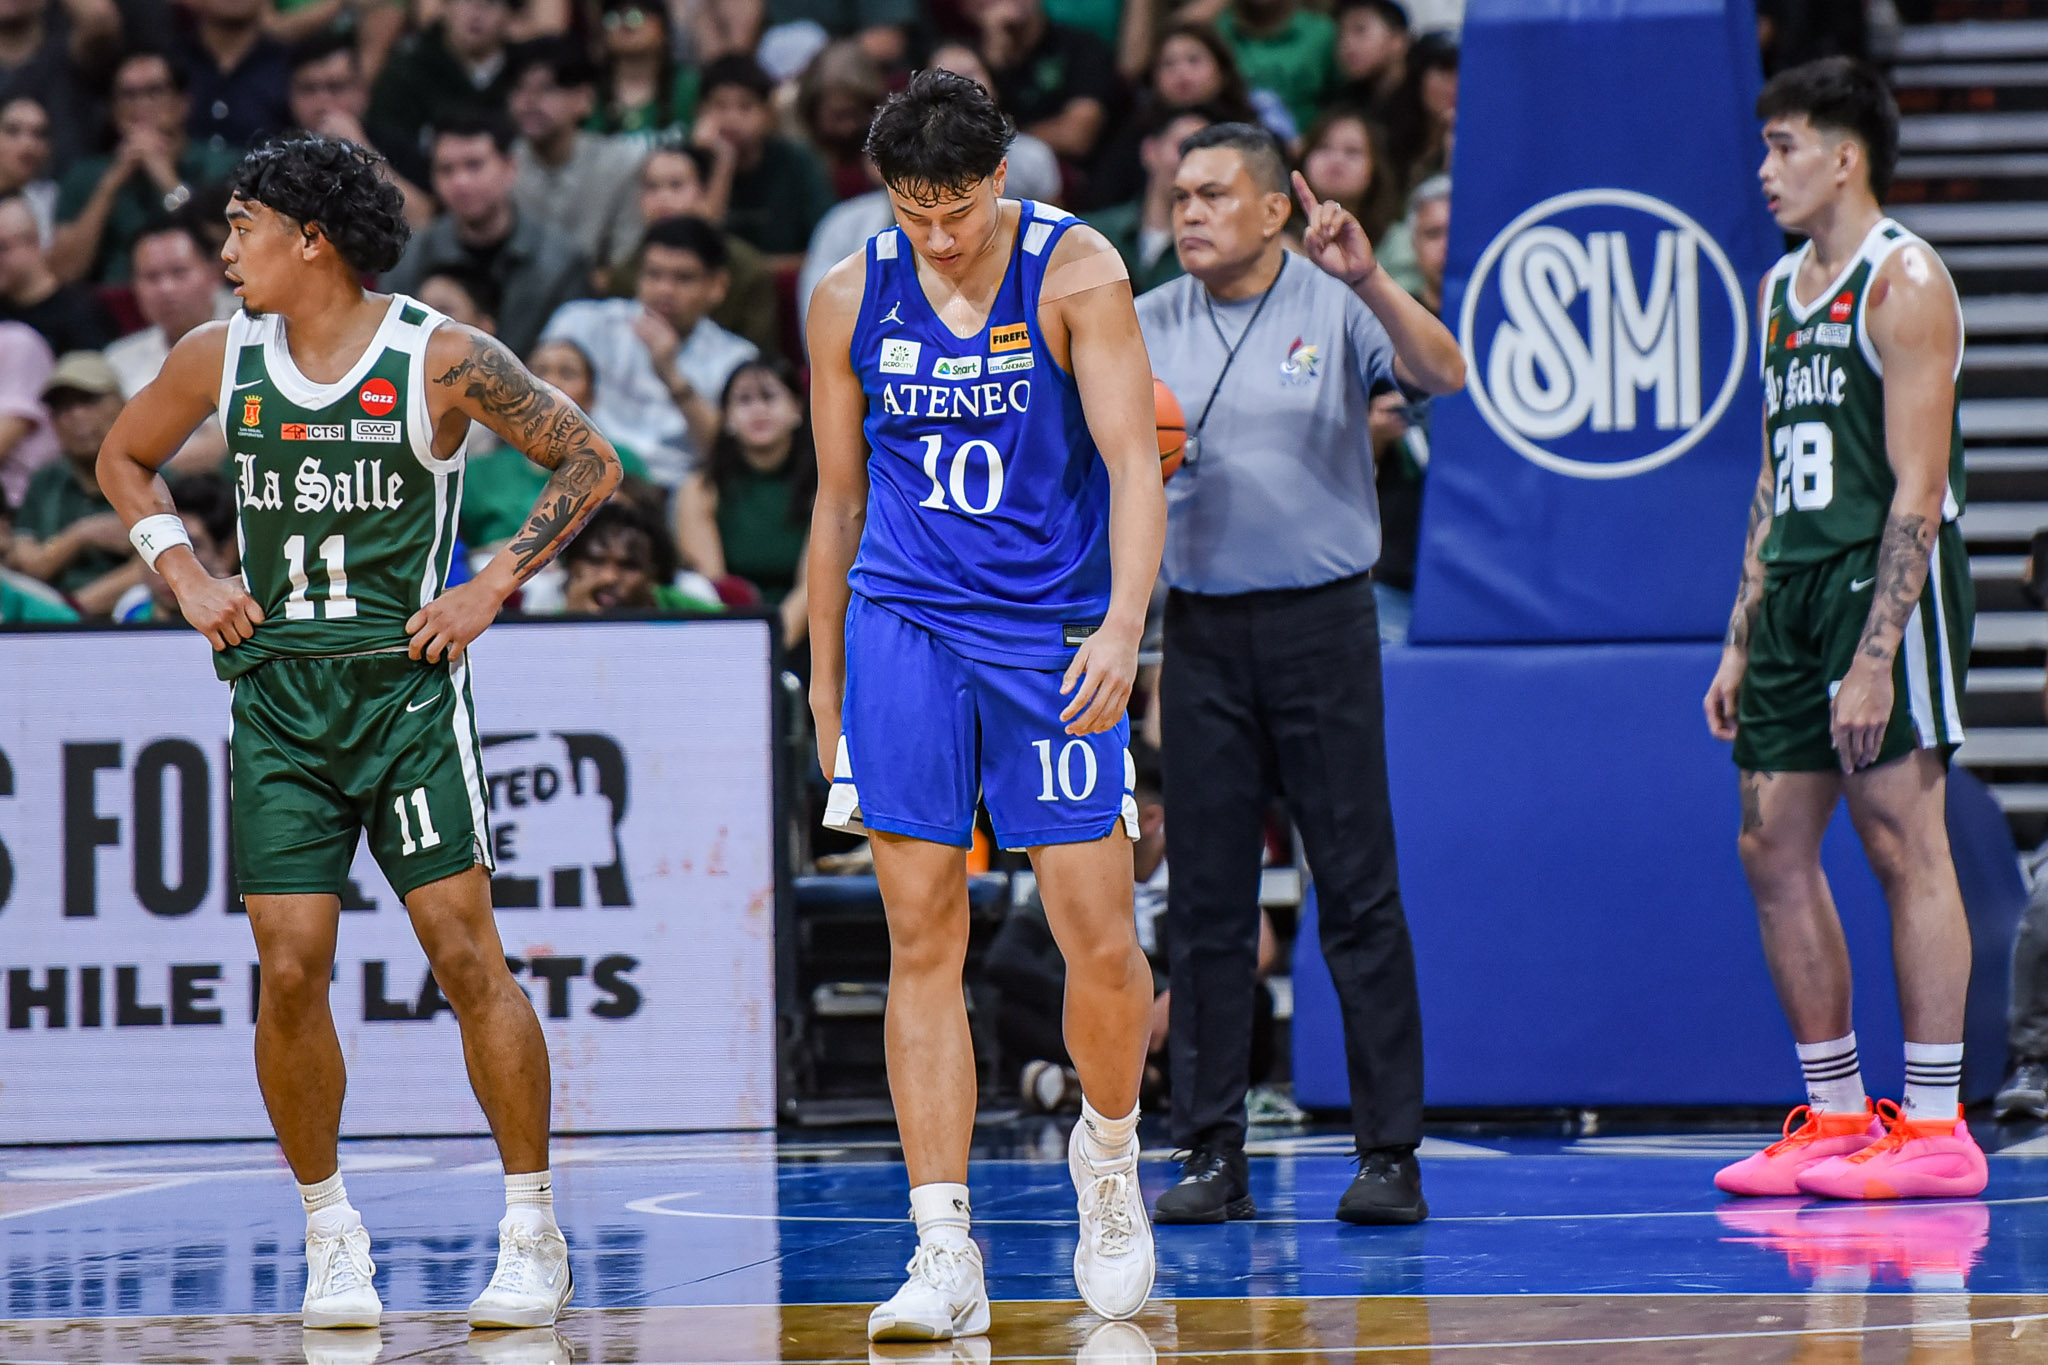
(938, 137)
(335, 185)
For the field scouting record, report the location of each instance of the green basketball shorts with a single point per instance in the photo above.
(1807, 629)
(324, 750)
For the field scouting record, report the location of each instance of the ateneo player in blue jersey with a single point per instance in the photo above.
(988, 525)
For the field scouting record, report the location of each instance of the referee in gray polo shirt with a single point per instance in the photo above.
(1271, 681)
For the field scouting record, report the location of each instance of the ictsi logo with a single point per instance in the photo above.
(1604, 332)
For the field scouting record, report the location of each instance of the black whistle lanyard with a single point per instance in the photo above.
(1231, 349)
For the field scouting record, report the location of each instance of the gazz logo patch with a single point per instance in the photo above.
(1015, 337)
(380, 433)
(899, 356)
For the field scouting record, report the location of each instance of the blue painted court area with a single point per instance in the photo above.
(678, 1221)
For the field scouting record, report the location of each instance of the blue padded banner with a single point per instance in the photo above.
(1607, 238)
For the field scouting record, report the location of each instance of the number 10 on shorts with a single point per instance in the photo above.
(1064, 770)
(429, 837)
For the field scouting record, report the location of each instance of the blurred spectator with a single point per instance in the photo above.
(26, 441)
(779, 191)
(673, 184)
(178, 286)
(1794, 31)
(65, 531)
(1034, 168)
(1400, 428)
(1429, 235)
(584, 185)
(104, 202)
(1422, 118)
(836, 99)
(25, 160)
(1142, 230)
(500, 486)
(646, 91)
(453, 68)
(330, 96)
(1060, 84)
(206, 504)
(621, 561)
(1282, 47)
(1344, 158)
(68, 315)
(25, 599)
(840, 233)
(1193, 66)
(878, 28)
(726, 28)
(1372, 52)
(240, 77)
(659, 358)
(57, 52)
(372, 25)
(535, 268)
(748, 513)
(468, 296)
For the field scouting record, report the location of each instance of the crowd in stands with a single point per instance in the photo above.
(637, 198)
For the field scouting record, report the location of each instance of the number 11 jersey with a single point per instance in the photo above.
(345, 519)
(988, 504)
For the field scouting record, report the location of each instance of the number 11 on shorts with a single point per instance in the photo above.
(429, 836)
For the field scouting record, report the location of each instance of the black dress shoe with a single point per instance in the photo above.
(1214, 1186)
(1388, 1189)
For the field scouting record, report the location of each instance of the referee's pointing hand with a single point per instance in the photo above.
(1334, 240)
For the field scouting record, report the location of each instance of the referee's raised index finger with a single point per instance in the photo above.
(1304, 194)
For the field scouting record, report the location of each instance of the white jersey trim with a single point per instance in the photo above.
(286, 377)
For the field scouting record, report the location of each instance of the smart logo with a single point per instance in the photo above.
(1604, 333)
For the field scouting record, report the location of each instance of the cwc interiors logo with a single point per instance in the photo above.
(1604, 332)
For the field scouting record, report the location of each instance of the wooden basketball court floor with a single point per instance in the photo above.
(740, 1248)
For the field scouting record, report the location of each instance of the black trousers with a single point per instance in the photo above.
(1280, 692)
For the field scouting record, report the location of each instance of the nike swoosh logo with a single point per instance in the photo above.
(1858, 585)
(250, 385)
(418, 705)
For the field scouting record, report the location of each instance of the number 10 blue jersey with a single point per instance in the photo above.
(988, 504)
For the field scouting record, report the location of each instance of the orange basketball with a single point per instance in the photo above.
(1173, 427)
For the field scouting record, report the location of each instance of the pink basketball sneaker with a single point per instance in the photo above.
(1916, 1159)
(1816, 1137)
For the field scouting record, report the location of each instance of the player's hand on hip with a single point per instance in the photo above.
(443, 628)
(1100, 679)
(1724, 695)
(218, 608)
(1334, 240)
(1862, 710)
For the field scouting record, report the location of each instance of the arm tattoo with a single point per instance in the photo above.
(1749, 592)
(1902, 561)
(548, 430)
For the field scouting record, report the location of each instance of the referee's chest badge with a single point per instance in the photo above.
(1300, 365)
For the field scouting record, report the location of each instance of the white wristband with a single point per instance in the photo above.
(154, 534)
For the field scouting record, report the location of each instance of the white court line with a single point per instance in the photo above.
(95, 1198)
(141, 1168)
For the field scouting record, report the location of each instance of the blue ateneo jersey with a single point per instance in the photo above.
(988, 505)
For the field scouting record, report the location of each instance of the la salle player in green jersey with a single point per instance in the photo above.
(344, 414)
(1842, 671)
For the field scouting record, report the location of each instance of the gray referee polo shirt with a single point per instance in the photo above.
(1281, 492)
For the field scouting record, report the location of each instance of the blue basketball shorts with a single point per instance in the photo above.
(926, 732)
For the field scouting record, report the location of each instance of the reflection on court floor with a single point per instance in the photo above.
(731, 1248)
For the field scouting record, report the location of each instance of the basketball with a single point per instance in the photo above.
(1173, 427)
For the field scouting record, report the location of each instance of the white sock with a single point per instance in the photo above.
(942, 1213)
(531, 1199)
(1934, 1080)
(1834, 1076)
(328, 1212)
(1106, 1141)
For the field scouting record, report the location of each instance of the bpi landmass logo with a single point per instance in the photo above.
(1605, 333)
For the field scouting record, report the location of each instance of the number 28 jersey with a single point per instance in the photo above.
(345, 519)
(1824, 410)
(988, 504)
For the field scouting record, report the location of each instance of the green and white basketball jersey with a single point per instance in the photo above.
(346, 520)
(1824, 410)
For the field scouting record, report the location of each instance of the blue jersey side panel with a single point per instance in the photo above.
(988, 505)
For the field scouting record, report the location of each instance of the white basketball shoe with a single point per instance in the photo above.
(338, 1288)
(944, 1297)
(532, 1283)
(1113, 1264)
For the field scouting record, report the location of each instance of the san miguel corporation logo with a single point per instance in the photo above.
(1604, 332)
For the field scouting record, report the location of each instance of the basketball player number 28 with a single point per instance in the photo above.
(1805, 454)
(1065, 770)
(334, 554)
(956, 479)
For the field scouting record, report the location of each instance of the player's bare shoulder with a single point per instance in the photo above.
(1913, 302)
(193, 367)
(1082, 260)
(835, 307)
